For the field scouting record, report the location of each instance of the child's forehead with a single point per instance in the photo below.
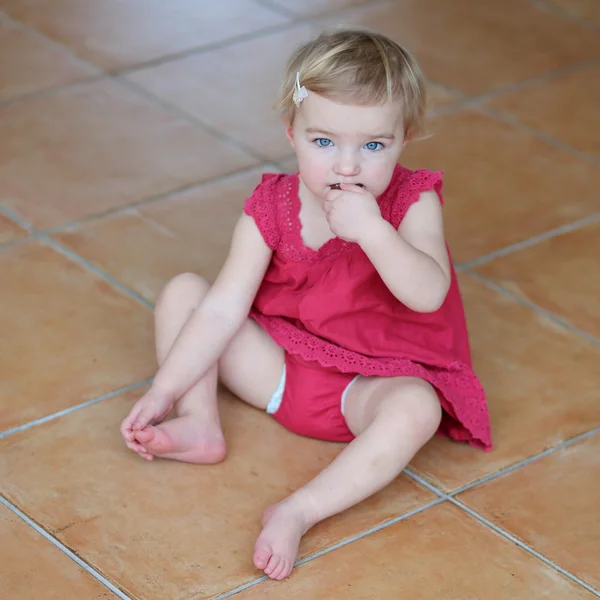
(317, 112)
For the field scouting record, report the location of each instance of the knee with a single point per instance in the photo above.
(186, 289)
(417, 405)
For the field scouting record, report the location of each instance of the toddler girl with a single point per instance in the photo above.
(337, 310)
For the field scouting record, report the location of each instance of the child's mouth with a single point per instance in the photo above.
(338, 186)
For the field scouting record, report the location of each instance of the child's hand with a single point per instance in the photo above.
(350, 211)
(152, 408)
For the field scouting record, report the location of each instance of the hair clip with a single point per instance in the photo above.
(299, 92)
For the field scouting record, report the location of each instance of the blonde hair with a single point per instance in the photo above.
(357, 66)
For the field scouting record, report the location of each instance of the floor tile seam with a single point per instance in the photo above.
(513, 88)
(531, 241)
(29, 96)
(90, 267)
(173, 56)
(148, 201)
(338, 545)
(515, 540)
(71, 409)
(418, 476)
(565, 14)
(525, 462)
(64, 549)
(536, 133)
(560, 321)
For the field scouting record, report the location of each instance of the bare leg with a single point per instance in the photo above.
(251, 367)
(392, 419)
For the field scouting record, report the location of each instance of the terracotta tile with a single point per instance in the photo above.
(67, 336)
(552, 505)
(314, 7)
(544, 106)
(419, 557)
(34, 568)
(477, 47)
(555, 275)
(97, 146)
(587, 9)
(542, 385)
(491, 200)
(9, 230)
(114, 34)
(29, 64)
(167, 529)
(224, 88)
(147, 246)
(438, 96)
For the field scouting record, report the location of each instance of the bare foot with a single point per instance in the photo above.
(186, 438)
(276, 548)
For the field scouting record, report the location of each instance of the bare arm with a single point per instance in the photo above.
(217, 319)
(413, 261)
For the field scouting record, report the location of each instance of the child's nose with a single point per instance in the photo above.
(347, 166)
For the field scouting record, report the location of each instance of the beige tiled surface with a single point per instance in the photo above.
(171, 530)
(67, 335)
(98, 146)
(35, 63)
(560, 489)
(502, 185)
(528, 366)
(417, 558)
(33, 568)
(558, 274)
(9, 230)
(115, 34)
(135, 190)
(550, 105)
(588, 10)
(479, 46)
(145, 247)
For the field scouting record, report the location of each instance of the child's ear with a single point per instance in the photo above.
(289, 133)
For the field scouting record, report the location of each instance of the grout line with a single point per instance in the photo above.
(66, 411)
(509, 120)
(13, 216)
(90, 267)
(525, 462)
(522, 545)
(189, 118)
(532, 241)
(58, 544)
(278, 9)
(152, 199)
(569, 16)
(51, 90)
(205, 48)
(432, 488)
(544, 313)
(341, 544)
(526, 83)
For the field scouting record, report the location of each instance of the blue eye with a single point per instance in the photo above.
(323, 142)
(373, 146)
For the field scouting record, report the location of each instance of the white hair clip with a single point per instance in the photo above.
(299, 92)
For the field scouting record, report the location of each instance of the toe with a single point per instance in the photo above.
(262, 556)
(144, 436)
(273, 565)
(282, 571)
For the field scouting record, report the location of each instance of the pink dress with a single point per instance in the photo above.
(331, 306)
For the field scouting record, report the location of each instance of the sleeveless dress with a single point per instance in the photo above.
(331, 306)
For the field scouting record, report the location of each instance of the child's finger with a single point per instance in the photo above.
(127, 424)
(144, 417)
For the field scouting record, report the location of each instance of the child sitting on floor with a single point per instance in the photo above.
(337, 310)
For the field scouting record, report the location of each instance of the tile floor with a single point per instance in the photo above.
(130, 133)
